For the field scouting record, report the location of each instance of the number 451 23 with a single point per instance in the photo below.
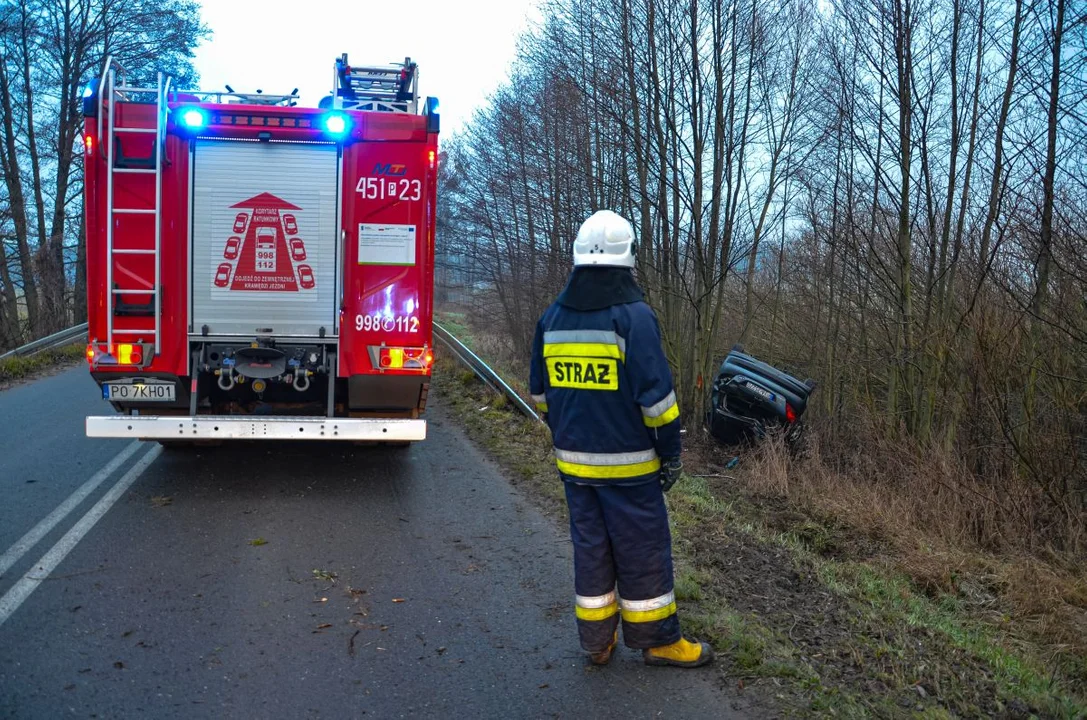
(381, 189)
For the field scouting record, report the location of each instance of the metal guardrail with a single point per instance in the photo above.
(483, 370)
(59, 339)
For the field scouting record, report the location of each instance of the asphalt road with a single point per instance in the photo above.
(301, 580)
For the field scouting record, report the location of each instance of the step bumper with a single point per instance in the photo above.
(231, 427)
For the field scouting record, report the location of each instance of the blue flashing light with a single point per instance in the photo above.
(194, 118)
(88, 91)
(335, 124)
(433, 116)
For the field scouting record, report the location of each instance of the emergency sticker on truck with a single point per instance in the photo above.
(264, 250)
(386, 244)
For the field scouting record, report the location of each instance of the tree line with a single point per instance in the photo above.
(888, 196)
(49, 51)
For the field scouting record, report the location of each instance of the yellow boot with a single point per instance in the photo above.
(682, 653)
(604, 656)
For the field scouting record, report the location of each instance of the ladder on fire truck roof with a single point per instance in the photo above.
(110, 93)
(380, 88)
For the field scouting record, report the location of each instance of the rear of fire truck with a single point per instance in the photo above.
(257, 269)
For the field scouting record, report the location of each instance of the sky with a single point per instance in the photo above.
(463, 47)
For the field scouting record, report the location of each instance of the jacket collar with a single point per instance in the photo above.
(596, 288)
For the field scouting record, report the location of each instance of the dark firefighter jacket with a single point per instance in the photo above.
(599, 373)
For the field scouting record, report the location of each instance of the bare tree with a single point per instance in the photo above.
(50, 50)
(855, 138)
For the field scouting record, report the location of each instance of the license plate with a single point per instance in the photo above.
(139, 392)
(765, 393)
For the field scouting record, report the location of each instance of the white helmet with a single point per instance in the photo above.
(606, 238)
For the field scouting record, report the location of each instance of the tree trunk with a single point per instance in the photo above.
(9, 155)
(1045, 251)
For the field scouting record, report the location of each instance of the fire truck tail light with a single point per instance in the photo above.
(88, 143)
(335, 124)
(100, 355)
(417, 358)
(193, 118)
(128, 354)
(392, 358)
(121, 354)
(399, 358)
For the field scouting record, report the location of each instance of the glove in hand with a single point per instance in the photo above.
(671, 469)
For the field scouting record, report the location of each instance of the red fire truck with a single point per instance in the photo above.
(257, 269)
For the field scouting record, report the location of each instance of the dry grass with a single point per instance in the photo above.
(941, 527)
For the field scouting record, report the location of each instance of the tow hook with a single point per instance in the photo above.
(301, 381)
(226, 379)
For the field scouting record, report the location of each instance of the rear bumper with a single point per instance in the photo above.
(232, 427)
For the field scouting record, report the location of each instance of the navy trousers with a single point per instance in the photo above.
(622, 565)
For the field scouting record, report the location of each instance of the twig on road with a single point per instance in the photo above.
(69, 575)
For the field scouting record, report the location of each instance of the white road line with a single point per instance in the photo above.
(32, 538)
(29, 582)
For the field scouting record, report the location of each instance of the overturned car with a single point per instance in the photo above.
(751, 398)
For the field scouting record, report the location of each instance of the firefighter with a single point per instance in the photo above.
(600, 378)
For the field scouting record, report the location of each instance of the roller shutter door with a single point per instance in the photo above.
(264, 238)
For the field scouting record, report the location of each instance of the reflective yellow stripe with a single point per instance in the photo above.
(658, 408)
(590, 350)
(592, 614)
(609, 472)
(669, 415)
(642, 616)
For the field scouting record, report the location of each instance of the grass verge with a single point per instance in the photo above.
(22, 368)
(804, 608)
